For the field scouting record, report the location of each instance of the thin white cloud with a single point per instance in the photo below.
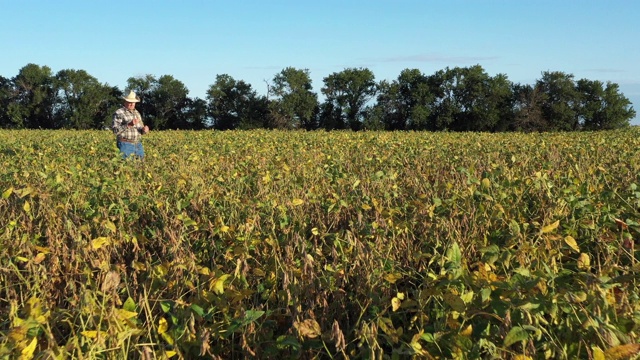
(605, 70)
(435, 58)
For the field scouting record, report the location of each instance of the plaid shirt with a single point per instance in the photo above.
(121, 118)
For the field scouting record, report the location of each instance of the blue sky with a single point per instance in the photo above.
(253, 40)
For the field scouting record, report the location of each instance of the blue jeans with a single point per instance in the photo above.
(129, 149)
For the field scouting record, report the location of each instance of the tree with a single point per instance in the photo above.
(446, 106)
(468, 99)
(169, 98)
(6, 91)
(82, 101)
(294, 101)
(527, 102)
(195, 115)
(33, 98)
(405, 103)
(235, 105)
(561, 101)
(602, 108)
(349, 91)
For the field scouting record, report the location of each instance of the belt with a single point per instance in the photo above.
(128, 141)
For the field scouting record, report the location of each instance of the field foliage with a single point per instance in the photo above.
(273, 244)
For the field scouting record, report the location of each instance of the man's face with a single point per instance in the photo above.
(130, 105)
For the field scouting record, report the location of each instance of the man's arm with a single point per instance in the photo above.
(119, 123)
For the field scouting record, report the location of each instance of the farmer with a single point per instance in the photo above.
(128, 128)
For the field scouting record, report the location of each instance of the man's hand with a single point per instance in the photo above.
(134, 122)
(145, 129)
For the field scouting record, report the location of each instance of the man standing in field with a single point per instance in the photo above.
(128, 127)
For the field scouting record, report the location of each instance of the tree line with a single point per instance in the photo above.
(452, 99)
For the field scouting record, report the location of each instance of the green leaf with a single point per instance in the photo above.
(129, 305)
(455, 302)
(197, 309)
(515, 335)
(284, 341)
(454, 256)
(165, 306)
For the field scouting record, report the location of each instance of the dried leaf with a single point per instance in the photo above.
(584, 262)
(111, 281)
(308, 328)
(39, 258)
(622, 351)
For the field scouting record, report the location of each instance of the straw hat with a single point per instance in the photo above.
(132, 97)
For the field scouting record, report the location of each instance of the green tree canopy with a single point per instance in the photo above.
(349, 91)
(294, 103)
(33, 98)
(83, 102)
(235, 105)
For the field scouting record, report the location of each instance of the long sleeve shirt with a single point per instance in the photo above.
(121, 119)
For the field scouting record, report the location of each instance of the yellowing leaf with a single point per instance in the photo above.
(598, 354)
(467, 331)
(392, 277)
(551, 227)
(27, 352)
(168, 338)
(92, 334)
(217, 285)
(569, 240)
(315, 231)
(486, 183)
(395, 303)
(297, 202)
(125, 314)
(42, 249)
(137, 265)
(26, 207)
(522, 357)
(39, 258)
(163, 326)
(111, 226)
(97, 243)
(170, 353)
(7, 193)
